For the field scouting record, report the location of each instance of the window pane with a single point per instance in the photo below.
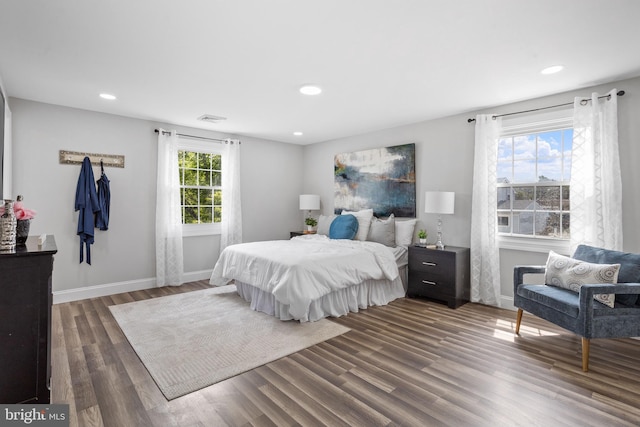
(565, 226)
(504, 197)
(567, 141)
(181, 158)
(505, 150)
(505, 172)
(504, 222)
(523, 198)
(550, 144)
(548, 224)
(550, 169)
(190, 177)
(216, 179)
(524, 171)
(206, 215)
(565, 198)
(204, 178)
(206, 198)
(522, 223)
(191, 196)
(216, 162)
(217, 197)
(524, 147)
(548, 198)
(190, 160)
(217, 214)
(190, 215)
(204, 161)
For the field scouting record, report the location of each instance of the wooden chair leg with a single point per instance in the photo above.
(585, 354)
(518, 320)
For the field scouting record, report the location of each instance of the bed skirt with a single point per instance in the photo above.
(335, 304)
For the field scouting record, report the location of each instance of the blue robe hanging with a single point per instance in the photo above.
(87, 204)
(104, 200)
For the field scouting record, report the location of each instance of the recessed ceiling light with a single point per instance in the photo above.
(107, 96)
(552, 70)
(310, 90)
(297, 133)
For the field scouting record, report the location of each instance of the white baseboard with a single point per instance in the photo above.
(507, 302)
(97, 291)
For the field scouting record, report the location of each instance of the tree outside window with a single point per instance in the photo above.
(200, 187)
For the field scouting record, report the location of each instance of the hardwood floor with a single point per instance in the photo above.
(413, 363)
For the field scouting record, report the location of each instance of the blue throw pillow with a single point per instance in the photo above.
(343, 227)
(629, 266)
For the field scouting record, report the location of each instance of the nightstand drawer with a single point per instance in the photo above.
(429, 284)
(438, 264)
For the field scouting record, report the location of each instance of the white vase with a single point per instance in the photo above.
(423, 241)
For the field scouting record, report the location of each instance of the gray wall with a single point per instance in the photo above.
(273, 175)
(444, 161)
(270, 173)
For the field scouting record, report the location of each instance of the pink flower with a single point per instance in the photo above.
(20, 211)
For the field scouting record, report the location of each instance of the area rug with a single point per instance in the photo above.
(192, 340)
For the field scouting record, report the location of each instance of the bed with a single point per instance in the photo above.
(313, 276)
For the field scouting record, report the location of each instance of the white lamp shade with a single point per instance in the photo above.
(439, 202)
(309, 202)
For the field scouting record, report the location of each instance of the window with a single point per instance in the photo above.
(533, 175)
(200, 170)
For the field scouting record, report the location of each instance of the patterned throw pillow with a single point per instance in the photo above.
(569, 273)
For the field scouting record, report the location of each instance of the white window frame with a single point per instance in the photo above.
(191, 230)
(527, 124)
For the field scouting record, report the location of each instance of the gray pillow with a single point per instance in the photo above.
(383, 231)
(324, 223)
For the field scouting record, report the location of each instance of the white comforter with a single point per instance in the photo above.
(305, 268)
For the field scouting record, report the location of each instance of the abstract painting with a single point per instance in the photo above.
(383, 179)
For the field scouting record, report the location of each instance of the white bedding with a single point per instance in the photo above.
(306, 268)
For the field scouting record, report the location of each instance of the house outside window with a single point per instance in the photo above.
(533, 182)
(200, 170)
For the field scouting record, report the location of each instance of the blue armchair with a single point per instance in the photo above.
(578, 312)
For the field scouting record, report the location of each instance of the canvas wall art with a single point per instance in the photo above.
(383, 179)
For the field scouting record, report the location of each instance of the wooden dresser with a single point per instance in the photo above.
(25, 322)
(441, 275)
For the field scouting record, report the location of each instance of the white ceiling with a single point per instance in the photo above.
(381, 63)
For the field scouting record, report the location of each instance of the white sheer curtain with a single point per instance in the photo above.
(485, 256)
(169, 258)
(596, 184)
(231, 196)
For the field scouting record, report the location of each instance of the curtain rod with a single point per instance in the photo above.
(165, 132)
(582, 102)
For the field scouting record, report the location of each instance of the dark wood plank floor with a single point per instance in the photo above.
(411, 363)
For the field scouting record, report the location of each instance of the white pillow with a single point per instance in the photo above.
(404, 232)
(324, 222)
(570, 273)
(364, 222)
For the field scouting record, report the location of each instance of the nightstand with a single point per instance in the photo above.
(295, 233)
(441, 275)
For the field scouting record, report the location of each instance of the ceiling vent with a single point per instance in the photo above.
(211, 118)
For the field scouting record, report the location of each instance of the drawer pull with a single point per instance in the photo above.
(430, 264)
(426, 282)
